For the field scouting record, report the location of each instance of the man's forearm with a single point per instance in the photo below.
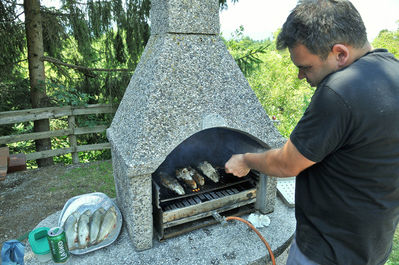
(281, 162)
(270, 163)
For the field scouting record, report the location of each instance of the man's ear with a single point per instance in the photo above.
(341, 53)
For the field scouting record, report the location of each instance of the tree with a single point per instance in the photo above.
(12, 47)
(37, 77)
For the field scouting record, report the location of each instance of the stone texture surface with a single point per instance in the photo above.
(185, 16)
(135, 201)
(228, 245)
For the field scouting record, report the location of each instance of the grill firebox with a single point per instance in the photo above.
(175, 214)
(178, 214)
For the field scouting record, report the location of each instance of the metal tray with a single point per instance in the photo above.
(91, 201)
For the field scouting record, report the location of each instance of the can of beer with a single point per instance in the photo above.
(58, 244)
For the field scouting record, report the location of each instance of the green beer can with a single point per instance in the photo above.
(58, 244)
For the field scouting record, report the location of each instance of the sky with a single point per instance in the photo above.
(261, 18)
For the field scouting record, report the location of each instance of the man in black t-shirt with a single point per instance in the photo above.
(345, 149)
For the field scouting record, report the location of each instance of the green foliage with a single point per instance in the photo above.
(273, 78)
(388, 40)
(250, 61)
(21, 147)
(279, 90)
(67, 96)
(11, 40)
(246, 52)
(53, 24)
(13, 94)
(92, 34)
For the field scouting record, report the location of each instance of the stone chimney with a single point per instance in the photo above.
(185, 82)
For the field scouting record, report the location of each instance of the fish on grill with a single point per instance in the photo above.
(108, 224)
(95, 224)
(184, 175)
(71, 230)
(209, 171)
(171, 183)
(84, 229)
(196, 176)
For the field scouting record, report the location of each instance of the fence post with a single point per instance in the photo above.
(72, 139)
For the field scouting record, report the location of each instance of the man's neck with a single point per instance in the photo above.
(357, 53)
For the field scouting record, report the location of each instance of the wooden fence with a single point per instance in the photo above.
(12, 117)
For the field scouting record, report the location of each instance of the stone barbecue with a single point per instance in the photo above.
(186, 86)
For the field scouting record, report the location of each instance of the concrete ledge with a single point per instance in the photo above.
(232, 244)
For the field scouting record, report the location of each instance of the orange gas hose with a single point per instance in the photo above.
(257, 232)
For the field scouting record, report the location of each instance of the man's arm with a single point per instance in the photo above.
(282, 162)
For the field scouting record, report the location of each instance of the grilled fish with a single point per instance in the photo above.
(209, 171)
(171, 183)
(83, 229)
(95, 224)
(71, 230)
(108, 224)
(196, 176)
(184, 175)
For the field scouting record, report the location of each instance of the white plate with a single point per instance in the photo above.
(91, 201)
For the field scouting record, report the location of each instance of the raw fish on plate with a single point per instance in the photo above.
(83, 218)
(71, 230)
(95, 224)
(84, 229)
(108, 224)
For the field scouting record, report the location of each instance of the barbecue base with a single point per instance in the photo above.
(215, 244)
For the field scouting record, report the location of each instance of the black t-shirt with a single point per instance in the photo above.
(347, 204)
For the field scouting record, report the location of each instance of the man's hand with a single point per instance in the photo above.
(281, 162)
(237, 166)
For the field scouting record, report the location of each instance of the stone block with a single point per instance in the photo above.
(185, 16)
(134, 197)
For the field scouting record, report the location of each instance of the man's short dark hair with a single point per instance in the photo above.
(320, 24)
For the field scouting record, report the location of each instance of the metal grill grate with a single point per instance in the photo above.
(200, 199)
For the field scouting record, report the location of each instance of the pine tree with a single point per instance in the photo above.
(37, 76)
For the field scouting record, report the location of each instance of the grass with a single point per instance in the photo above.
(394, 257)
(96, 177)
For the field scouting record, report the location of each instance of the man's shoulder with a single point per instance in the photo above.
(378, 64)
